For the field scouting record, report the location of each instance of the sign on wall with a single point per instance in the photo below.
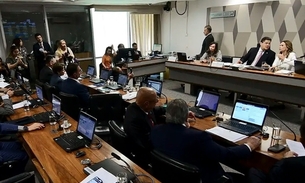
(223, 14)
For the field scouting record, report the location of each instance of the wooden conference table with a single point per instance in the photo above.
(261, 158)
(146, 67)
(56, 165)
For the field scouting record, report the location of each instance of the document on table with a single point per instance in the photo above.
(18, 105)
(227, 134)
(296, 147)
(100, 176)
(3, 84)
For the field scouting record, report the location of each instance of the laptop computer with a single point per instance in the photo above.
(56, 111)
(104, 76)
(83, 135)
(299, 67)
(39, 100)
(247, 117)
(206, 104)
(122, 81)
(155, 84)
(182, 57)
(90, 72)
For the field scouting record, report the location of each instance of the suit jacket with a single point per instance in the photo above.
(288, 170)
(73, 87)
(7, 108)
(45, 74)
(195, 147)
(56, 81)
(206, 43)
(268, 57)
(6, 128)
(39, 56)
(137, 125)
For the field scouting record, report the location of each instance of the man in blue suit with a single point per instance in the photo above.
(196, 147)
(11, 150)
(58, 71)
(72, 85)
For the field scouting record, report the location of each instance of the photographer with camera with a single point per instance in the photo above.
(63, 53)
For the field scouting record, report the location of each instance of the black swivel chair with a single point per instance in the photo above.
(106, 107)
(49, 91)
(70, 105)
(168, 170)
(119, 138)
(7, 169)
(26, 177)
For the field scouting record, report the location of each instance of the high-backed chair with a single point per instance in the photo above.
(70, 105)
(106, 107)
(119, 138)
(49, 91)
(26, 177)
(7, 169)
(168, 170)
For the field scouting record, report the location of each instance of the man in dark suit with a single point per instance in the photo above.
(207, 40)
(257, 55)
(46, 72)
(58, 71)
(176, 140)
(72, 85)
(290, 169)
(41, 50)
(11, 150)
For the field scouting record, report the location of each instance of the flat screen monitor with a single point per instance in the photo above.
(157, 47)
(155, 84)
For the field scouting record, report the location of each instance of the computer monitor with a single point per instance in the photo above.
(123, 79)
(155, 84)
(56, 104)
(90, 70)
(19, 78)
(125, 54)
(157, 47)
(86, 125)
(105, 74)
(39, 92)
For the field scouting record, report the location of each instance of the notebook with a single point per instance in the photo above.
(83, 135)
(206, 104)
(122, 81)
(247, 117)
(182, 57)
(90, 72)
(155, 84)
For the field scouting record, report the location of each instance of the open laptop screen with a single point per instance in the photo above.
(39, 92)
(208, 101)
(86, 125)
(156, 85)
(90, 70)
(122, 79)
(56, 102)
(250, 112)
(19, 78)
(104, 74)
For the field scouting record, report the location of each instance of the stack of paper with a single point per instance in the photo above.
(283, 72)
(100, 176)
(227, 134)
(296, 147)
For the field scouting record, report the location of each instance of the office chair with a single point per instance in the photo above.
(49, 91)
(106, 107)
(119, 138)
(70, 105)
(168, 170)
(7, 169)
(26, 177)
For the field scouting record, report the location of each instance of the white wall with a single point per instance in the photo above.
(185, 33)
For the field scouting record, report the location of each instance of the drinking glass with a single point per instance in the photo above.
(276, 132)
(52, 121)
(122, 177)
(66, 126)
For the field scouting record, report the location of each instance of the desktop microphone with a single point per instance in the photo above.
(119, 158)
(295, 137)
(301, 56)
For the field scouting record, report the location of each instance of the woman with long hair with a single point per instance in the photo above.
(212, 54)
(15, 62)
(286, 57)
(63, 53)
(19, 44)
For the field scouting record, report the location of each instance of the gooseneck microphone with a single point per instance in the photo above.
(295, 137)
(119, 158)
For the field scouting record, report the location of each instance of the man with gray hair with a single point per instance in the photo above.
(176, 140)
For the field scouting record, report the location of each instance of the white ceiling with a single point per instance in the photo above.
(90, 2)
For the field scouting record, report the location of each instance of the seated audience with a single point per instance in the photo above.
(46, 72)
(285, 59)
(15, 62)
(136, 52)
(257, 56)
(12, 150)
(58, 70)
(3, 69)
(290, 169)
(176, 140)
(63, 53)
(72, 85)
(212, 54)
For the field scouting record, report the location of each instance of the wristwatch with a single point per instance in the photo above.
(25, 128)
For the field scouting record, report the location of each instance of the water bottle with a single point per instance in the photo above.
(26, 104)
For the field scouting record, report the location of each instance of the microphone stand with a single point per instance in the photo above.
(119, 158)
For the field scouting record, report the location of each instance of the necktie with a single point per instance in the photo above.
(258, 56)
(150, 119)
(41, 45)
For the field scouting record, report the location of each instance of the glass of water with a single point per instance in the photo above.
(53, 121)
(66, 126)
(122, 177)
(276, 132)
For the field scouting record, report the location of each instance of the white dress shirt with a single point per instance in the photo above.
(286, 64)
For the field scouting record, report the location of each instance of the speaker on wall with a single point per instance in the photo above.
(168, 6)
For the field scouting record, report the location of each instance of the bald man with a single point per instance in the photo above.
(141, 117)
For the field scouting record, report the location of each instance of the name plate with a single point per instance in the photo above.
(217, 64)
(172, 59)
